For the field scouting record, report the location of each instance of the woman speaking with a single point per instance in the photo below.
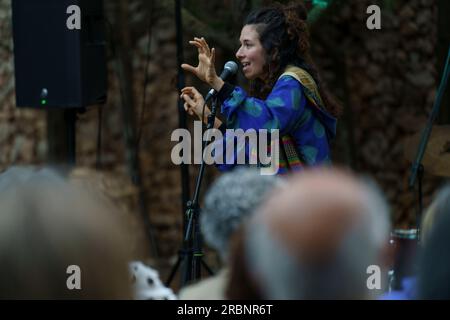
(285, 90)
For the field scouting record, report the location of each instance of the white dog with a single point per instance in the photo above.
(147, 284)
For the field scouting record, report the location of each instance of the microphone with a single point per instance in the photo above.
(229, 69)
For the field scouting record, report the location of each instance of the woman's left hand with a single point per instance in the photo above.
(194, 102)
(205, 70)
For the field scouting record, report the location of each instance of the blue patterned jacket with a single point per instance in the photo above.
(287, 109)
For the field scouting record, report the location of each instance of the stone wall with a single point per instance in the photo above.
(386, 80)
(22, 131)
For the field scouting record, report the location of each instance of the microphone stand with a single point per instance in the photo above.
(417, 169)
(192, 253)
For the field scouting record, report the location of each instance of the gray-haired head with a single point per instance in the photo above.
(324, 231)
(439, 207)
(230, 200)
(434, 258)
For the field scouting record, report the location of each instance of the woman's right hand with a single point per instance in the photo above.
(194, 102)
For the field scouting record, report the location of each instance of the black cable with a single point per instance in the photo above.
(111, 38)
(184, 168)
(146, 78)
(99, 139)
(203, 125)
(142, 202)
(98, 160)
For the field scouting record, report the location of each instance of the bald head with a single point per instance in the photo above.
(316, 210)
(323, 220)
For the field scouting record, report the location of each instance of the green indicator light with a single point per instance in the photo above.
(43, 102)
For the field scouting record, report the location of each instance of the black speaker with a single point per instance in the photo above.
(55, 66)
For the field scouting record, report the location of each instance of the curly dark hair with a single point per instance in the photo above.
(284, 35)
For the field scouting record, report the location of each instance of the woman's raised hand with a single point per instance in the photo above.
(193, 102)
(205, 70)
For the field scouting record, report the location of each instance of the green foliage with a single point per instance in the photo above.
(318, 8)
(322, 4)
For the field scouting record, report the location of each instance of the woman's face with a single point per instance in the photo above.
(251, 54)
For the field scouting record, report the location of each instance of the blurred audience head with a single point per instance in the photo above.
(47, 226)
(434, 260)
(439, 207)
(231, 199)
(315, 239)
(242, 284)
(116, 188)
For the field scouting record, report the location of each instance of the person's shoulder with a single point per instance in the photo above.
(288, 80)
(212, 288)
